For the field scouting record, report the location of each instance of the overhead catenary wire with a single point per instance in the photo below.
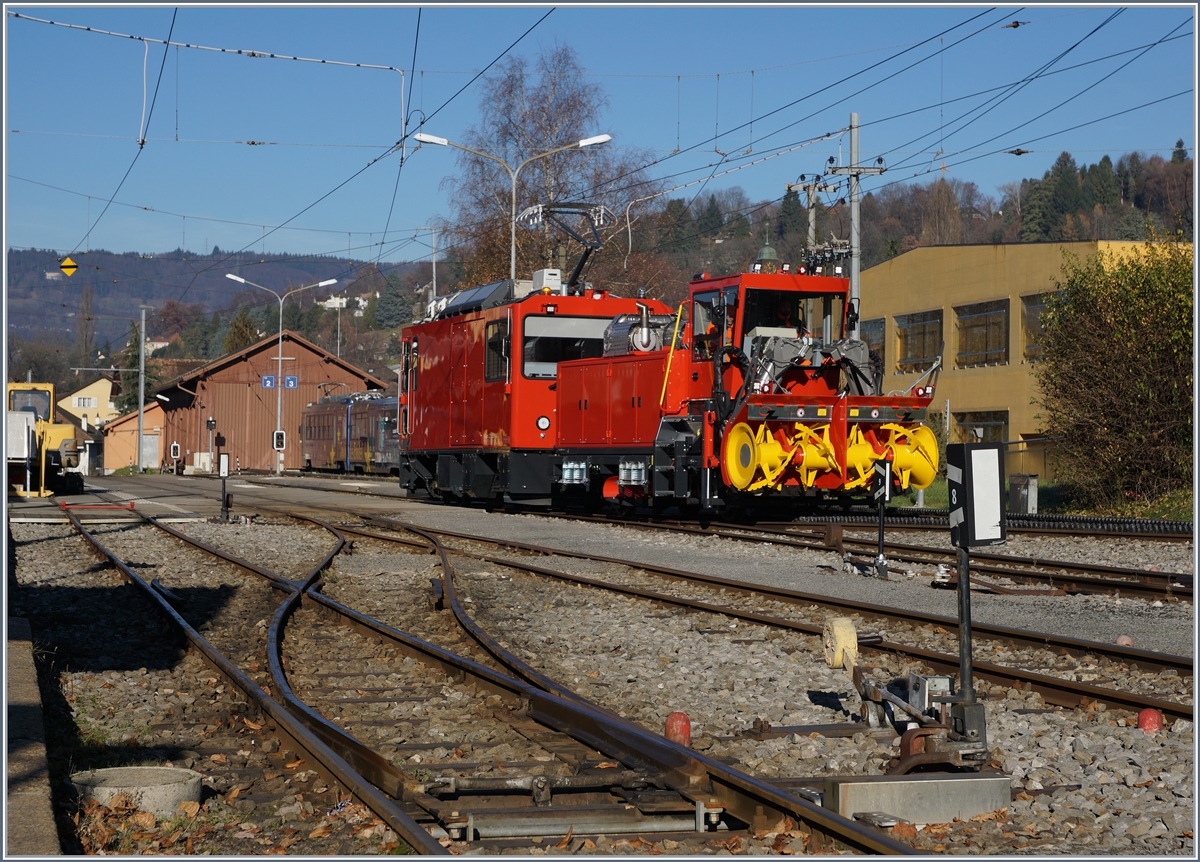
(141, 142)
(398, 144)
(1017, 87)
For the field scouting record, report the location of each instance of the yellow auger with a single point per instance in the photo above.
(756, 459)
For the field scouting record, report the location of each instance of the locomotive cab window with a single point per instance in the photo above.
(496, 361)
(551, 339)
(706, 313)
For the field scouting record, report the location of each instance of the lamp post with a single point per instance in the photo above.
(279, 357)
(423, 138)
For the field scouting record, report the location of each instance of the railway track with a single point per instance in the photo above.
(1057, 575)
(897, 517)
(668, 789)
(336, 696)
(1054, 689)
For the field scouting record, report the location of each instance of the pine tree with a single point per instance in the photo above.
(242, 332)
(678, 231)
(392, 310)
(711, 220)
(791, 216)
(1037, 212)
(1179, 154)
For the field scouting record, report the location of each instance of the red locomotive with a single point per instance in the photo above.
(575, 395)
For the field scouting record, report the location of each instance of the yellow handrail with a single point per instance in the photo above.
(667, 374)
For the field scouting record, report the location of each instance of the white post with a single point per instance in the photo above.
(279, 390)
(141, 386)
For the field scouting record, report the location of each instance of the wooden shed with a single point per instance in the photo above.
(239, 392)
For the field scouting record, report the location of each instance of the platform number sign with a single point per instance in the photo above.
(268, 381)
(974, 478)
(291, 381)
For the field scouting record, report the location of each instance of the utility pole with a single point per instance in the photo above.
(854, 170)
(810, 189)
(141, 385)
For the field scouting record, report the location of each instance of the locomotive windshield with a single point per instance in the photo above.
(36, 401)
(551, 339)
(819, 316)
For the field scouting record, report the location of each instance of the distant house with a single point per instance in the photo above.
(240, 392)
(92, 405)
(120, 439)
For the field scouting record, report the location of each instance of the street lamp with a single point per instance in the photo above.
(423, 138)
(279, 358)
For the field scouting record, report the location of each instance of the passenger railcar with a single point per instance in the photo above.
(352, 434)
(754, 397)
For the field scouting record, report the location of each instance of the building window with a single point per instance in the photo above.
(496, 361)
(86, 401)
(982, 334)
(982, 426)
(1031, 316)
(919, 340)
(871, 331)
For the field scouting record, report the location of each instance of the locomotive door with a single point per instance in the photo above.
(459, 333)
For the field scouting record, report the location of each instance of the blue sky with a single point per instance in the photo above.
(736, 79)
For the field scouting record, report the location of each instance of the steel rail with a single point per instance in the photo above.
(1131, 582)
(1145, 659)
(1054, 690)
(692, 774)
(297, 734)
(696, 777)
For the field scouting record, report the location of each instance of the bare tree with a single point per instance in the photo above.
(524, 113)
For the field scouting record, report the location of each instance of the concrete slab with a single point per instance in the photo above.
(30, 827)
(925, 798)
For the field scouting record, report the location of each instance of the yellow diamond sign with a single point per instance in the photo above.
(68, 266)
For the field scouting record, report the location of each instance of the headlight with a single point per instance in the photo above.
(543, 422)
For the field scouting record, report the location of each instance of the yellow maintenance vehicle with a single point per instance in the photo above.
(42, 453)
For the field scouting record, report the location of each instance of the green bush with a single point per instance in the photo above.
(1116, 374)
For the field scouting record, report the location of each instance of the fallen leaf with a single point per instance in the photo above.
(320, 832)
(187, 848)
(191, 809)
(606, 764)
(904, 830)
(250, 724)
(458, 752)
(294, 763)
(594, 674)
(276, 851)
(1023, 796)
(143, 819)
(233, 794)
(288, 842)
(567, 838)
(218, 758)
(939, 848)
(589, 844)
(998, 814)
(939, 630)
(270, 775)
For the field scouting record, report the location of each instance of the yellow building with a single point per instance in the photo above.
(983, 303)
(92, 405)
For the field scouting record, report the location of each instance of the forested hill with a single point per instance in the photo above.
(41, 299)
